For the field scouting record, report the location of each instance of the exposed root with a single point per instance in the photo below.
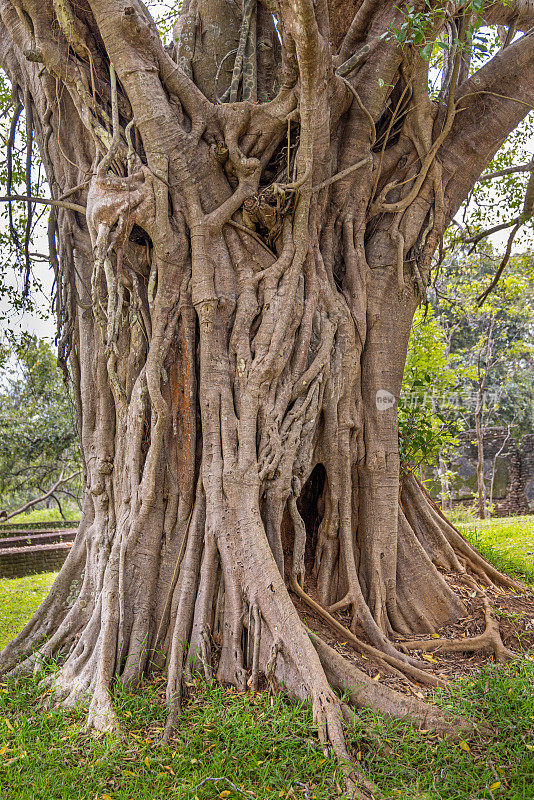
(102, 715)
(328, 716)
(364, 692)
(405, 666)
(450, 538)
(489, 639)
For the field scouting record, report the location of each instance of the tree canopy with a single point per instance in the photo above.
(38, 438)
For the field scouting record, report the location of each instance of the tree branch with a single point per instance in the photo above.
(8, 198)
(502, 265)
(489, 106)
(61, 480)
(508, 171)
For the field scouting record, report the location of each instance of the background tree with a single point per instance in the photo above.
(493, 340)
(430, 416)
(38, 438)
(242, 227)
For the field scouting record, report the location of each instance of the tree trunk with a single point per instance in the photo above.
(446, 498)
(236, 289)
(481, 483)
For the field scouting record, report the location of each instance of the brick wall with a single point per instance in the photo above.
(16, 562)
(12, 528)
(513, 488)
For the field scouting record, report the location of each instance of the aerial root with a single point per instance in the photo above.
(254, 676)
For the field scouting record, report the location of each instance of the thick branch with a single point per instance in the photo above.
(490, 105)
(519, 13)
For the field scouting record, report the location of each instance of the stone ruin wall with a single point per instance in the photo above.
(513, 491)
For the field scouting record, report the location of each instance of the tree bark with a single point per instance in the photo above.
(481, 483)
(236, 304)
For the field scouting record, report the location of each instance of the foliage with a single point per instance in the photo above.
(428, 418)
(505, 322)
(448, 357)
(493, 202)
(36, 420)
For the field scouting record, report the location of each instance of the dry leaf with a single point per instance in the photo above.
(465, 746)
(495, 785)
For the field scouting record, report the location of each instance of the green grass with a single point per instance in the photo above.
(71, 511)
(19, 597)
(508, 542)
(265, 747)
(443, 770)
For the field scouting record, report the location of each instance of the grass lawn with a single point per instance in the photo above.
(19, 597)
(232, 745)
(71, 510)
(507, 542)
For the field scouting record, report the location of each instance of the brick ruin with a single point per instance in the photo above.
(513, 460)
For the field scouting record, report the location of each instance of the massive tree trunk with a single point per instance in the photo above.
(245, 224)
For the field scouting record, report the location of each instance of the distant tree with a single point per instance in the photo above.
(38, 437)
(492, 336)
(430, 411)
